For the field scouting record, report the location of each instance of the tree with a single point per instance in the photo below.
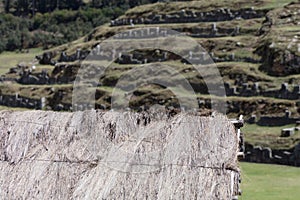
(13, 41)
(7, 5)
(2, 45)
(32, 6)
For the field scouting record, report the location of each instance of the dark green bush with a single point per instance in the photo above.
(51, 29)
(13, 41)
(2, 45)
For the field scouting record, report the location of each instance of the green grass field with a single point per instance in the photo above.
(13, 109)
(11, 59)
(270, 182)
(270, 136)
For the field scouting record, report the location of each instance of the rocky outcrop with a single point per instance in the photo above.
(280, 48)
(277, 61)
(47, 58)
(111, 155)
(64, 73)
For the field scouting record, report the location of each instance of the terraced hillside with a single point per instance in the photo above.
(254, 45)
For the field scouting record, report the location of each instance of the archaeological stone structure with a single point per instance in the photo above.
(187, 16)
(261, 154)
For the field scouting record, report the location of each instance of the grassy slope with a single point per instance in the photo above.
(11, 59)
(270, 136)
(270, 182)
(205, 6)
(13, 109)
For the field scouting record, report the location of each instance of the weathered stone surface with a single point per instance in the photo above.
(276, 156)
(90, 155)
(192, 17)
(279, 42)
(46, 58)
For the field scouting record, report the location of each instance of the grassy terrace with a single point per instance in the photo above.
(223, 46)
(269, 182)
(145, 10)
(248, 27)
(270, 136)
(243, 23)
(205, 6)
(225, 68)
(11, 59)
(12, 109)
(31, 91)
(260, 181)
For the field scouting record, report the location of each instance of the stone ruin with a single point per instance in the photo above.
(22, 102)
(195, 32)
(78, 55)
(260, 154)
(277, 120)
(287, 132)
(244, 89)
(187, 16)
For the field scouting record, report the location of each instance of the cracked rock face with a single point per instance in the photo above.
(280, 44)
(116, 155)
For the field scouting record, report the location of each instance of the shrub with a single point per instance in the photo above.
(2, 45)
(51, 29)
(13, 41)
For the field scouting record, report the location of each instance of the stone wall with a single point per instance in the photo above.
(186, 16)
(276, 156)
(244, 89)
(204, 32)
(276, 121)
(22, 102)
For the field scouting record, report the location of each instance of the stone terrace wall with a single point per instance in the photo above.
(20, 101)
(276, 156)
(183, 16)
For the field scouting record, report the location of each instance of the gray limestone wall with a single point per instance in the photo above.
(21, 101)
(117, 155)
(223, 14)
(260, 154)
